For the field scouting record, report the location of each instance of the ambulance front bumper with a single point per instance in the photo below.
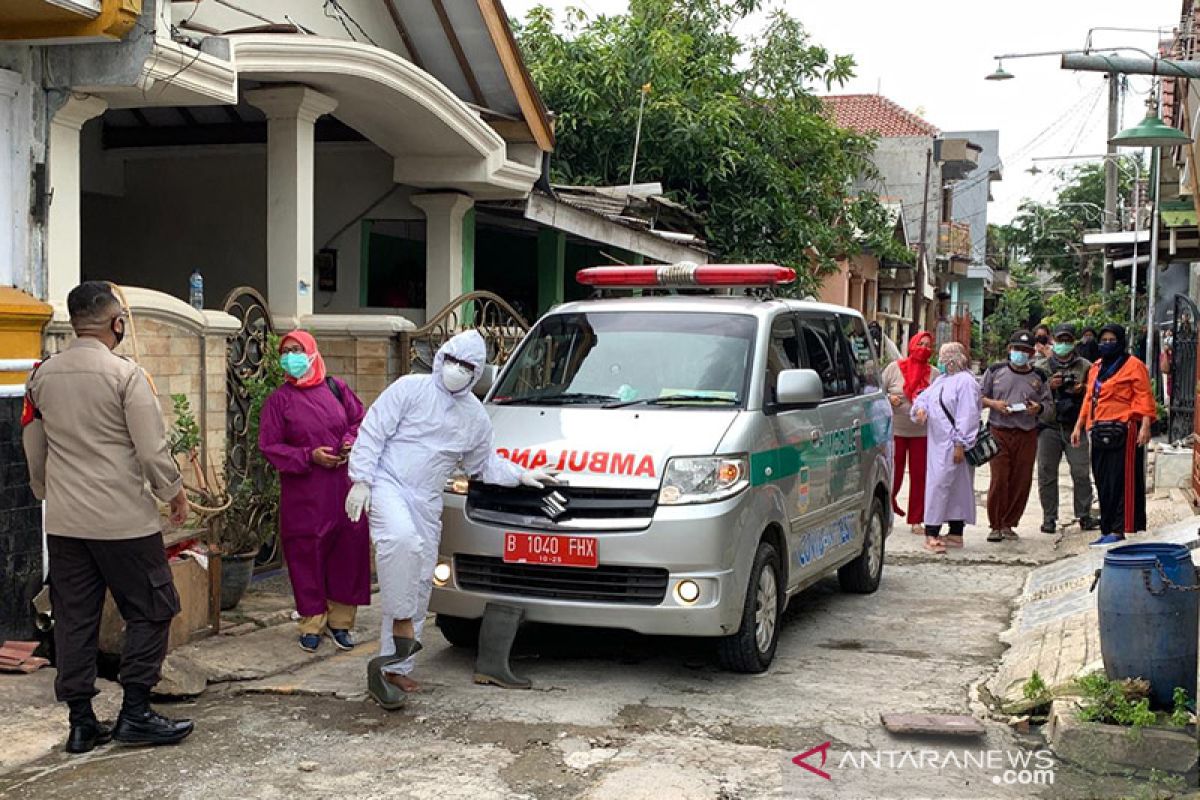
(639, 583)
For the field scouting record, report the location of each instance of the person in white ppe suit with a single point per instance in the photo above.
(410, 443)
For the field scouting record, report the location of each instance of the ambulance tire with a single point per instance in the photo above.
(862, 575)
(459, 631)
(752, 648)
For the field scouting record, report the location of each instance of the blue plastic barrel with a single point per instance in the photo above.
(1149, 633)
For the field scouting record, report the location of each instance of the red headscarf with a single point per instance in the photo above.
(316, 370)
(915, 367)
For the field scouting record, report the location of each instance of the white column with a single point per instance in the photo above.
(444, 212)
(10, 83)
(291, 113)
(63, 249)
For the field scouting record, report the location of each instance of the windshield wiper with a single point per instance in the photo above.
(676, 398)
(565, 398)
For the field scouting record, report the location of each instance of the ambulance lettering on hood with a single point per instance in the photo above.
(597, 462)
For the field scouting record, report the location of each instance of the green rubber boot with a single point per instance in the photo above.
(496, 635)
(388, 696)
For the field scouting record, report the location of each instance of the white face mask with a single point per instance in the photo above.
(455, 377)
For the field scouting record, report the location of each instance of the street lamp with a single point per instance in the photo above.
(1000, 74)
(1150, 132)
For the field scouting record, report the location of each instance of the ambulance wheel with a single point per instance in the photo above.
(862, 575)
(459, 631)
(752, 648)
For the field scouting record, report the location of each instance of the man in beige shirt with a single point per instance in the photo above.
(98, 457)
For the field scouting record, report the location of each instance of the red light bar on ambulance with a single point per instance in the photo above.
(686, 274)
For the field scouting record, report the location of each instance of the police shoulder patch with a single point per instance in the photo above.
(29, 412)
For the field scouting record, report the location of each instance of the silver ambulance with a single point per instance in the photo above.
(717, 455)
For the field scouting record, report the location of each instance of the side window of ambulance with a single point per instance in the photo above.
(824, 354)
(862, 356)
(783, 352)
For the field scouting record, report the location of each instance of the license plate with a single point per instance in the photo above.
(546, 548)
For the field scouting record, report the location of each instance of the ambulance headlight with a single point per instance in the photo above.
(458, 484)
(704, 479)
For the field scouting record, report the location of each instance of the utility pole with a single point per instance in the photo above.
(1110, 170)
(919, 282)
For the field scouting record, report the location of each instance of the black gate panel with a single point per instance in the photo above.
(1183, 368)
(247, 354)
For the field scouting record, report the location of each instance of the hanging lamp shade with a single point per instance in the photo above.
(1000, 74)
(1150, 132)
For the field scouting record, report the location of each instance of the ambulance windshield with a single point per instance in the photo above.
(614, 359)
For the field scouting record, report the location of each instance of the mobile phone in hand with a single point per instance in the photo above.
(1017, 408)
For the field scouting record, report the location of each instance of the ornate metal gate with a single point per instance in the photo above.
(246, 364)
(1183, 368)
(501, 326)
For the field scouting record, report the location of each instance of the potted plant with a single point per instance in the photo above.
(225, 520)
(238, 533)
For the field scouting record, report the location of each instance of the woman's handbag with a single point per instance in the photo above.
(1109, 435)
(985, 448)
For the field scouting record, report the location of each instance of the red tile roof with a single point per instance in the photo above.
(874, 113)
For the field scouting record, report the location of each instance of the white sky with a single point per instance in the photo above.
(931, 56)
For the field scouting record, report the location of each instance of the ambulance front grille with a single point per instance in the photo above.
(576, 508)
(644, 586)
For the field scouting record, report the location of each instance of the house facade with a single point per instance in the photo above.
(972, 195)
(352, 168)
(916, 167)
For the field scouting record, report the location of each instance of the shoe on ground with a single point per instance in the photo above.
(309, 642)
(1050, 526)
(1089, 523)
(150, 728)
(341, 638)
(995, 536)
(1107, 539)
(1008, 534)
(87, 736)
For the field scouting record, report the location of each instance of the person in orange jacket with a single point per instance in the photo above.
(1118, 410)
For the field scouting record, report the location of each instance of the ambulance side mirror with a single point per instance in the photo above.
(799, 387)
(486, 380)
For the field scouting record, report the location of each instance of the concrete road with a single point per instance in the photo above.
(617, 716)
(611, 715)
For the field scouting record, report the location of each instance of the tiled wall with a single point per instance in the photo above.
(20, 530)
(366, 364)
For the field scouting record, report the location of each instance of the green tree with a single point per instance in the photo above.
(1018, 308)
(733, 130)
(1049, 236)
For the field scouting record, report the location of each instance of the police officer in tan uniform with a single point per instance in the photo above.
(98, 457)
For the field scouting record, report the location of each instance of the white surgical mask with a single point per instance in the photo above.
(456, 377)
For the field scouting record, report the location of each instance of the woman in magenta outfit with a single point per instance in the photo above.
(306, 430)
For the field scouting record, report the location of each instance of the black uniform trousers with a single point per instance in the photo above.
(138, 575)
(1120, 475)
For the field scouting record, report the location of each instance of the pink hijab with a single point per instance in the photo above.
(316, 372)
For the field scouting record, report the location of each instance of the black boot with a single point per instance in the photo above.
(140, 725)
(496, 635)
(87, 732)
(389, 696)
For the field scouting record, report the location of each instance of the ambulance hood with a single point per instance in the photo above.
(603, 448)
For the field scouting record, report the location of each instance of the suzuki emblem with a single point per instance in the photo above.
(554, 505)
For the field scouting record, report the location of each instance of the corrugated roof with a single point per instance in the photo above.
(639, 207)
(875, 114)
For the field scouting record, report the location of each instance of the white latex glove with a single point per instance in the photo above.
(537, 479)
(358, 501)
